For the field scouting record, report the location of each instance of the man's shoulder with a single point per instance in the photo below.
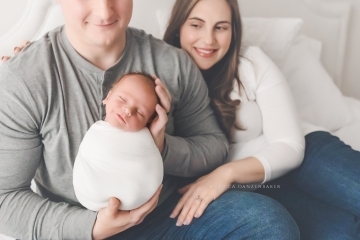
(158, 46)
(35, 60)
(166, 59)
(36, 54)
(32, 69)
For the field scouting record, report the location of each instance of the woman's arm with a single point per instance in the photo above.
(283, 152)
(281, 128)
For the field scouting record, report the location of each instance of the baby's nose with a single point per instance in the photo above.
(127, 111)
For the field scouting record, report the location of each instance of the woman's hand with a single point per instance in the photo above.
(198, 195)
(111, 220)
(17, 49)
(158, 124)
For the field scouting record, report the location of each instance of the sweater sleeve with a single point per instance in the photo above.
(198, 145)
(25, 214)
(281, 128)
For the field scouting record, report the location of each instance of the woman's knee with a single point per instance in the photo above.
(259, 216)
(330, 172)
(328, 158)
(320, 142)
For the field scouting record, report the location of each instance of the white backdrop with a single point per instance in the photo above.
(11, 11)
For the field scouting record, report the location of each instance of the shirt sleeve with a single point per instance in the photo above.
(281, 127)
(25, 214)
(198, 145)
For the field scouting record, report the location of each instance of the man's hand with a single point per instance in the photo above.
(17, 49)
(111, 220)
(158, 124)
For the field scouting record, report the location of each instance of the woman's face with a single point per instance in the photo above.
(206, 34)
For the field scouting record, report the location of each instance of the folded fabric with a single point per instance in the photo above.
(114, 163)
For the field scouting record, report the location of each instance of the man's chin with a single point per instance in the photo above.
(104, 42)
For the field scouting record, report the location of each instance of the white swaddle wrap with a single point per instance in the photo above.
(114, 163)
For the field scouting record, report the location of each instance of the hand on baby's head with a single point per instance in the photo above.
(131, 102)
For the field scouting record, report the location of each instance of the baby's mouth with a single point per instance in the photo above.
(121, 118)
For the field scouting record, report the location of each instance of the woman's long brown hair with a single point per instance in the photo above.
(220, 77)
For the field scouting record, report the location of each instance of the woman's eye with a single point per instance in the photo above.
(195, 25)
(221, 28)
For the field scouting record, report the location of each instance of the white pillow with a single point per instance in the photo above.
(317, 98)
(274, 36)
(163, 17)
(350, 133)
(311, 44)
(53, 19)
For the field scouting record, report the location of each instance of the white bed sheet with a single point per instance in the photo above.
(350, 134)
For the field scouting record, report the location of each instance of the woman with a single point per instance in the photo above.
(254, 108)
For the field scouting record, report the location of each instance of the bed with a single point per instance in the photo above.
(305, 38)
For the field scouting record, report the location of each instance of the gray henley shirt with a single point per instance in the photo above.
(50, 96)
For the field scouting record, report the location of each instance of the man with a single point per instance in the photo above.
(50, 95)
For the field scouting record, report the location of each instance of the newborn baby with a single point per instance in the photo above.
(118, 157)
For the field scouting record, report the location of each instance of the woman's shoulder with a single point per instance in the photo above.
(250, 50)
(254, 55)
(247, 73)
(254, 59)
(256, 69)
(263, 71)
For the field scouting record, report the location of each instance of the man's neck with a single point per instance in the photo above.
(102, 57)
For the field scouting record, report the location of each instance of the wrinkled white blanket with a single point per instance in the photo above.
(114, 163)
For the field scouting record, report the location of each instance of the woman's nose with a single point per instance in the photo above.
(209, 37)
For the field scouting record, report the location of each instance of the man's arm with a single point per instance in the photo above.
(25, 214)
(198, 145)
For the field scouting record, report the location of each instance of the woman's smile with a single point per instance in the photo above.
(205, 52)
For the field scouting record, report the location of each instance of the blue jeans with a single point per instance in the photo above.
(234, 215)
(323, 194)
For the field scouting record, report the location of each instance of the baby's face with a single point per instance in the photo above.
(131, 103)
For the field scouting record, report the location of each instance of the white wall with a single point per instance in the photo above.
(11, 10)
(351, 74)
(10, 13)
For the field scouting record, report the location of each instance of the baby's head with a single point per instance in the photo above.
(130, 103)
